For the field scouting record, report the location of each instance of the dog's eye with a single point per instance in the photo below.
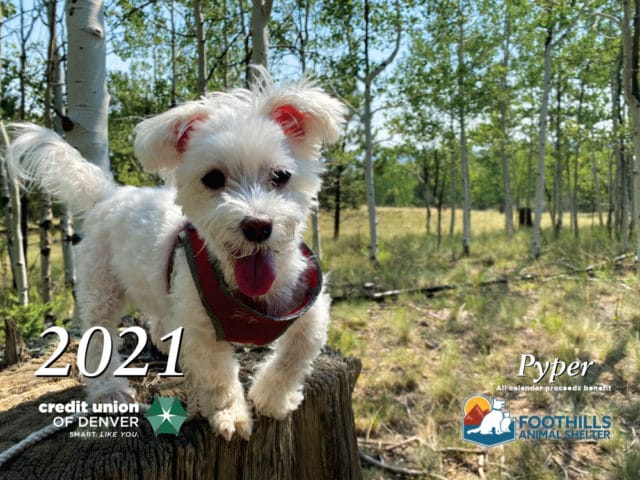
(280, 177)
(214, 180)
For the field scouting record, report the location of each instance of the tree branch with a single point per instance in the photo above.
(386, 62)
(396, 469)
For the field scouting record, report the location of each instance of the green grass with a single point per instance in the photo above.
(30, 319)
(422, 356)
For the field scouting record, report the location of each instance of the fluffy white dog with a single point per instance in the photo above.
(244, 169)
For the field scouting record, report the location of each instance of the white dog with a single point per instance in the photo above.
(244, 169)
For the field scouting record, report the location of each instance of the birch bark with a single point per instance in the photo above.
(19, 262)
(370, 74)
(630, 45)
(504, 125)
(260, 13)
(542, 144)
(202, 53)
(87, 94)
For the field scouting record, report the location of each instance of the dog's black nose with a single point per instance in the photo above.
(256, 230)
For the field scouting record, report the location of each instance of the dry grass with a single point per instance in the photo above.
(422, 357)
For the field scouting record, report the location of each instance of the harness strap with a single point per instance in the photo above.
(233, 319)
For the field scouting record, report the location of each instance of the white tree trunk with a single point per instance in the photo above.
(452, 194)
(542, 144)
(303, 38)
(596, 187)
(367, 118)
(16, 245)
(86, 80)
(315, 231)
(635, 119)
(368, 175)
(464, 157)
(66, 218)
(504, 125)
(466, 187)
(174, 78)
(557, 212)
(5, 199)
(260, 13)
(46, 221)
(46, 214)
(621, 218)
(4, 186)
(576, 165)
(630, 84)
(202, 53)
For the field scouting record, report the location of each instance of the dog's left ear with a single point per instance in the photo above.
(161, 140)
(307, 116)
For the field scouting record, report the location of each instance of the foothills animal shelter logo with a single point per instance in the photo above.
(487, 422)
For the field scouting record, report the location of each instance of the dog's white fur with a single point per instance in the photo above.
(129, 234)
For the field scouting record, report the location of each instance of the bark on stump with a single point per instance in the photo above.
(316, 442)
(14, 345)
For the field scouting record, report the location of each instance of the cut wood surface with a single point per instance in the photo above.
(316, 442)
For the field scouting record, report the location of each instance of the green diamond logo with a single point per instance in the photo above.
(166, 415)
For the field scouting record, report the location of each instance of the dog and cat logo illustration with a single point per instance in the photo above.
(486, 422)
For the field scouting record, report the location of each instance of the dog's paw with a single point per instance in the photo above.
(234, 419)
(109, 392)
(272, 401)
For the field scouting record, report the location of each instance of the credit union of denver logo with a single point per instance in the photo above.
(166, 415)
(486, 422)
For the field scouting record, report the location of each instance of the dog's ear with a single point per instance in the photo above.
(161, 140)
(308, 117)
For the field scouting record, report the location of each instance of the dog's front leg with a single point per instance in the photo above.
(212, 375)
(210, 367)
(100, 300)
(277, 388)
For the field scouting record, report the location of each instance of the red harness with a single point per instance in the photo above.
(234, 319)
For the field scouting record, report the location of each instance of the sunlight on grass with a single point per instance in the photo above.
(430, 353)
(423, 355)
(30, 319)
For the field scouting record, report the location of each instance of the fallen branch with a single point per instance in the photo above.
(378, 296)
(403, 443)
(399, 470)
(387, 445)
(431, 290)
(481, 467)
(474, 451)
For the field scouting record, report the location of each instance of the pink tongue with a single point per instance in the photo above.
(255, 273)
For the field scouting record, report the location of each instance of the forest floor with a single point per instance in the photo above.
(424, 355)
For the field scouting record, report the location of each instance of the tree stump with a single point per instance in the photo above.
(315, 442)
(14, 345)
(525, 217)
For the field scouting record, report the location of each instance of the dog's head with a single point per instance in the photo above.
(246, 169)
(498, 404)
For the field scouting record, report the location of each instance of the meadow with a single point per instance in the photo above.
(423, 355)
